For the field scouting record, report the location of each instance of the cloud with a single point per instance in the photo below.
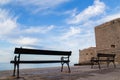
(71, 12)
(108, 18)
(11, 30)
(72, 32)
(7, 22)
(39, 29)
(25, 41)
(103, 19)
(3, 2)
(39, 5)
(47, 3)
(96, 9)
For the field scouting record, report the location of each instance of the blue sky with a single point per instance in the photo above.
(52, 24)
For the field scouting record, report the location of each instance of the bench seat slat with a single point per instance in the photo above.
(105, 55)
(46, 61)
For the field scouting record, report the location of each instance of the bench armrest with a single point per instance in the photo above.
(94, 58)
(16, 58)
(64, 58)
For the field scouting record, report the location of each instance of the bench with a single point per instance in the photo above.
(65, 55)
(101, 57)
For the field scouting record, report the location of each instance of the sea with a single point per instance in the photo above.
(8, 66)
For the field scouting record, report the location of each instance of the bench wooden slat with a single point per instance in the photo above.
(42, 52)
(56, 61)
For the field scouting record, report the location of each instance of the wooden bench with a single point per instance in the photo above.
(108, 58)
(20, 51)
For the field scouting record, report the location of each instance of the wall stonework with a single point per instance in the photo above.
(86, 54)
(107, 37)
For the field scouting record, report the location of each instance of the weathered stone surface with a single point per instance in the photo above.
(86, 54)
(107, 37)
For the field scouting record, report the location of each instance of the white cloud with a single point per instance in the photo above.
(39, 29)
(3, 2)
(71, 12)
(72, 32)
(108, 18)
(105, 18)
(96, 9)
(41, 5)
(25, 41)
(7, 22)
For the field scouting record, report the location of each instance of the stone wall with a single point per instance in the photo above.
(86, 54)
(107, 37)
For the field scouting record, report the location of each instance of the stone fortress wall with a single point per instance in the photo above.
(107, 37)
(86, 54)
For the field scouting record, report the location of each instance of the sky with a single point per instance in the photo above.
(66, 25)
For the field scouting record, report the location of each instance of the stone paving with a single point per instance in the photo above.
(54, 73)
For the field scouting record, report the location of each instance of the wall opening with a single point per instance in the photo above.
(112, 46)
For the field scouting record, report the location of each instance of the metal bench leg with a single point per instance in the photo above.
(92, 63)
(18, 70)
(68, 67)
(99, 65)
(15, 59)
(14, 69)
(114, 64)
(62, 66)
(108, 64)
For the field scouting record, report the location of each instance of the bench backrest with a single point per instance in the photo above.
(42, 52)
(105, 55)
